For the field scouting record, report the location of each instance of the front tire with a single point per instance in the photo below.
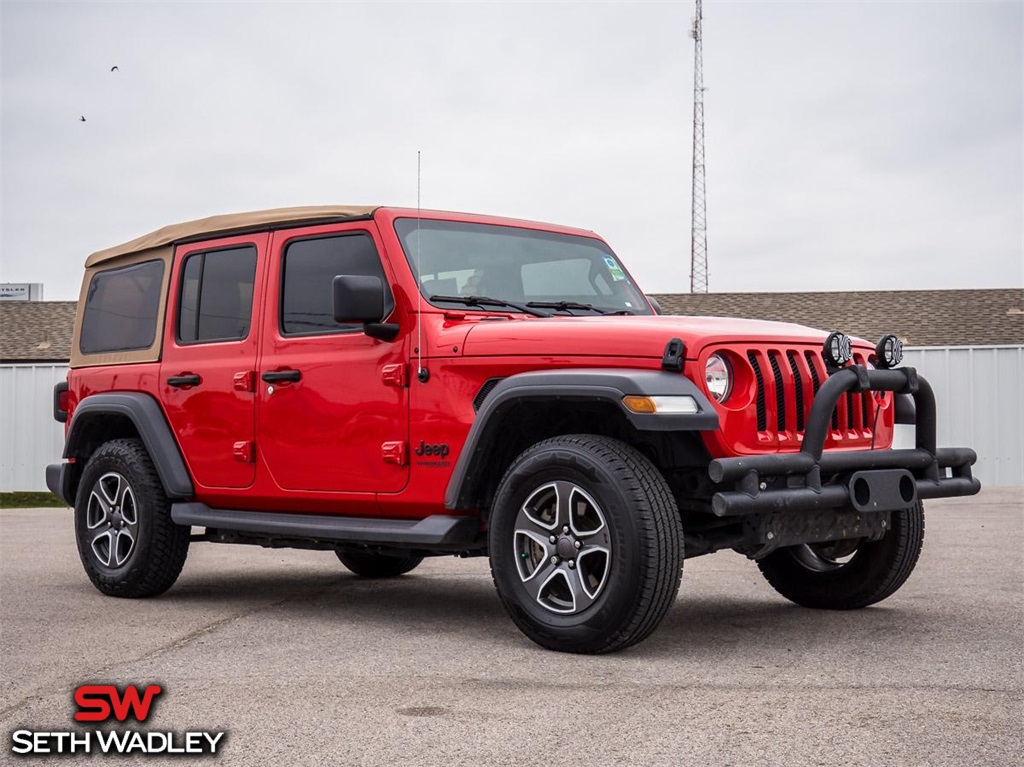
(833, 577)
(586, 544)
(127, 542)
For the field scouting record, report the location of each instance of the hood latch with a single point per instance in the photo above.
(672, 359)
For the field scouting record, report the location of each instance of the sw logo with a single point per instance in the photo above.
(102, 703)
(96, 702)
(441, 450)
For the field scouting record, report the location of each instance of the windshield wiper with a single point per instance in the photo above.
(485, 301)
(567, 305)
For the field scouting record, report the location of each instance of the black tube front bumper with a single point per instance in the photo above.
(865, 480)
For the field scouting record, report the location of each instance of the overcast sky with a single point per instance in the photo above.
(849, 145)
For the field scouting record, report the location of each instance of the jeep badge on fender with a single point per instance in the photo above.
(441, 450)
(276, 364)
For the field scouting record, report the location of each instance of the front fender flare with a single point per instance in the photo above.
(609, 385)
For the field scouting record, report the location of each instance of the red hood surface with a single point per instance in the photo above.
(626, 336)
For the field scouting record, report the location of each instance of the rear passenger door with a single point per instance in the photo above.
(333, 402)
(207, 373)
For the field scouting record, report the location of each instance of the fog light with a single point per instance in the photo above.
(889, 351)
(837, 350)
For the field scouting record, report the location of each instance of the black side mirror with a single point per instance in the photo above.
(654, 304)
(360, 298)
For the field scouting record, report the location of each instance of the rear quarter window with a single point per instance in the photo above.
(121, 308)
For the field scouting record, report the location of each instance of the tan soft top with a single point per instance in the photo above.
(231, 222)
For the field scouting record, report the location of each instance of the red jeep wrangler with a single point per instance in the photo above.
(393, 384)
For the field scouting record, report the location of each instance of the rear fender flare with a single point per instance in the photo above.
(151, 424)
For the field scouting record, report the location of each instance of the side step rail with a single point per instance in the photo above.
(435, 530)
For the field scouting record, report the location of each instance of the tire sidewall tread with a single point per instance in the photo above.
(647, 546)
(161, 546)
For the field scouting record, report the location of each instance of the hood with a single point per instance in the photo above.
(644, 336)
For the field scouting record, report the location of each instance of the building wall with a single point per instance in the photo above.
(978, 390)
(29, 437)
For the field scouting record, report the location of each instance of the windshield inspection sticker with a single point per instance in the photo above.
(614, 269)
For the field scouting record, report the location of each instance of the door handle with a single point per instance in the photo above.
(277, 376)
(185, 379)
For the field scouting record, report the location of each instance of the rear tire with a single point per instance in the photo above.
(127, 542)
(378, 565)
(812, 576)
(586, 544)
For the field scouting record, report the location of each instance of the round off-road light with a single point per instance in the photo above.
(837, 350)
(889, 351)
(718, 377)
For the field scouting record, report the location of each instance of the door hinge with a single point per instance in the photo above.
(245, 381)
(395, 375)
(245, 451)
(395, 452)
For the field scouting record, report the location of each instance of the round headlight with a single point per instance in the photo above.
(718, 377)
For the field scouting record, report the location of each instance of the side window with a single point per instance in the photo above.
(121, 307)
(215, 301)
(310, 266)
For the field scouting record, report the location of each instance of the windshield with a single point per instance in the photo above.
(520, 266)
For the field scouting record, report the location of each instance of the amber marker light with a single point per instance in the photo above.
(681, 405)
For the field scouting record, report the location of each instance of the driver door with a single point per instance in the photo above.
(332, 412)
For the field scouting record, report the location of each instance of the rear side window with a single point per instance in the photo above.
(121, 307)
(310, 266)
(216, 295)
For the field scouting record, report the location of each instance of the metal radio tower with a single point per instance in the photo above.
(698, 211)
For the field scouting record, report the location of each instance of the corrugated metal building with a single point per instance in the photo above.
(978, 390)
(31, 438)
(968, 343)
(35, 346)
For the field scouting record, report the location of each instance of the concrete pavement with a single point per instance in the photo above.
(303, 663)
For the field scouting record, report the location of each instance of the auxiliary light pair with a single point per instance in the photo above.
(838, 351)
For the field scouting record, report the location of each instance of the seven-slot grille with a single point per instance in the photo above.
(787, 381)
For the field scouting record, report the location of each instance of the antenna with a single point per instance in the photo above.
(698, 205)
(421, 372)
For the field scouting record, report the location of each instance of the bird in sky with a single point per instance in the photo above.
(115, 68)
(82, 118)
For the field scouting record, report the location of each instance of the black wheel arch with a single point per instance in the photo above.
(528, 407)
(100, 418)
